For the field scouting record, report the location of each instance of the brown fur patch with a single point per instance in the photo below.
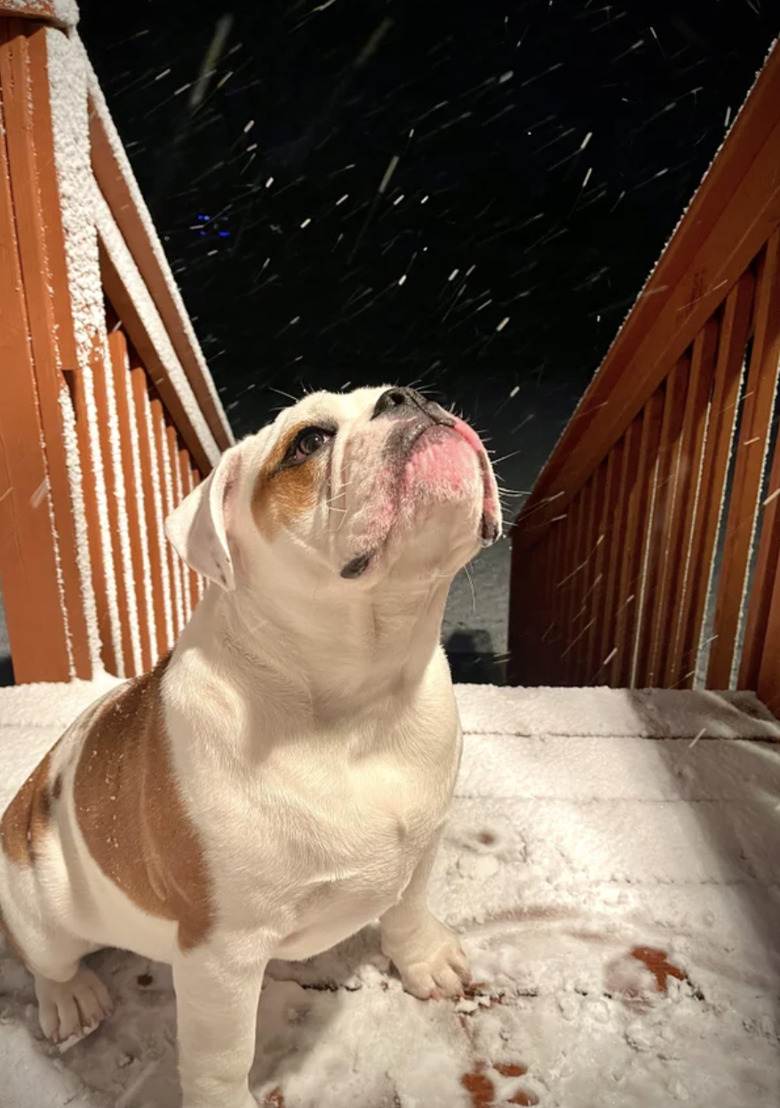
(131, 813)
(26, 819)
(281, 496)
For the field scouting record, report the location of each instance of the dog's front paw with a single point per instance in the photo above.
(430, 960)
(73, 1008)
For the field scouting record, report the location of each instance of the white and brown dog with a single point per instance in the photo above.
(283, 776)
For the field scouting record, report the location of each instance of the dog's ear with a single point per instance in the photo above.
(198, 528)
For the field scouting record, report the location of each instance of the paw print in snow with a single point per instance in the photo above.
(641, 975)
(481, 1086)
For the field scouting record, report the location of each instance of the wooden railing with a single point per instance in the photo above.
(108, 415)
(647, 553)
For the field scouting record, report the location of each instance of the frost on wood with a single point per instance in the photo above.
(615, 896)
(121, 515)
(121, 257)
(143, 537)
(45, 491)
(118, 150)
(64, 13)
(179, 569)
(159, 514)
(77, 190)
(170, 501)
(71, 444)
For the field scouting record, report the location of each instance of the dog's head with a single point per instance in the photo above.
(344, 487)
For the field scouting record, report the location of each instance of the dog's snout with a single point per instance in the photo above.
(398, 402)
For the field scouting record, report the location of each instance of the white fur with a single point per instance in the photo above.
(315, 740)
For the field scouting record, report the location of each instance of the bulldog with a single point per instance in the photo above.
(282, 777)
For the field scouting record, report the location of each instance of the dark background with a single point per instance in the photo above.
(545, 151)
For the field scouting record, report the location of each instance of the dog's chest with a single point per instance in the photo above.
(334, 837)
(371, 816)
(356, 849)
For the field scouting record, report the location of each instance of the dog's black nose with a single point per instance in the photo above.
(398, 402)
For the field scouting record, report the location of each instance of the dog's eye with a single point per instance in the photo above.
(310, 440)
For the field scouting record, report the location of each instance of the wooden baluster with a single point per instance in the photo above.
(607, 558)
(579, 583)
(184, 489)
(626, 475)
(555, 571)
(590, 577)
(706, 512)
(134, 495)
(199, 582)
(751, 448)
(760, 667)
(162, 507)
(760, 664)
(149, 479)
(124, 663)
(655, 565)
(569, 584)
(641, 447)
(173, 487)
(673, 667)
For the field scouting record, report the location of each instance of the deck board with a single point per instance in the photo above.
(611, 861)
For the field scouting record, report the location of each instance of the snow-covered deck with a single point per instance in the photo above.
(612, 861)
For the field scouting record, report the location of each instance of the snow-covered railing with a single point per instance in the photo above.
(648, 551)
(108, 414)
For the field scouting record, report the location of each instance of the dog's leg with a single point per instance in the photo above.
(217, 993)
(427, 954)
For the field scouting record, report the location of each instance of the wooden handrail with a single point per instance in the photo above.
(649, 550)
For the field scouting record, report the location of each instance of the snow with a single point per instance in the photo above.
(78, 194)
(64, 13)
(587, 864)
(99, 106)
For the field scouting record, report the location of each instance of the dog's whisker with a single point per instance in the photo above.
(281, 392)
(470, 580)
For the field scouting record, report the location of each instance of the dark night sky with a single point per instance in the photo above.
(545, 151)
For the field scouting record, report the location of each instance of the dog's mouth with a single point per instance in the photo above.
(490, 521)
(413, 437)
